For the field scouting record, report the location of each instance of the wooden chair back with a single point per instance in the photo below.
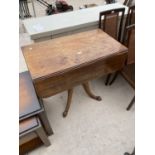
(129, 41)
(112, 23)
(130, 19)
(128, 2)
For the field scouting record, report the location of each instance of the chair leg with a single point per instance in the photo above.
(107, 79)
(133, 153)
(114, 78)
(131, 104)
(45, 123)
(40, 132)
(88, 91)
(69, 99)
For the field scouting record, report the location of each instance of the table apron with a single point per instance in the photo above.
(52, 85)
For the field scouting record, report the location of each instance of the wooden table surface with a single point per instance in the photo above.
(62, 63)
(28, 124)
(28, 101)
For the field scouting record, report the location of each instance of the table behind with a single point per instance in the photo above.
(49, 27)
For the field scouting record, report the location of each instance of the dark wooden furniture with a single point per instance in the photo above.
(129, 41)
(128, 72)
(63, 63)
(130, 19)
(126, 2)
(112, 17)
(29, 107)
(133, 153)
(130, 16)
(30, 145)
(29, 129)
(28, 102)
(129, 2)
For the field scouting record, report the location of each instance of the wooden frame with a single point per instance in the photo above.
(109, 18)
(29, 104)
(31, 128)
(130, 19)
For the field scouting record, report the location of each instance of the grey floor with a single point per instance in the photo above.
(91, 127)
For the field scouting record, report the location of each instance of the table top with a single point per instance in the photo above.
(28, 125)
(63, 54)
(28, 102)
(68, 21)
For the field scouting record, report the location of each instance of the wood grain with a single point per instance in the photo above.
(30, 145)
(60, 64)
(66, 53)
(28, 101)
(28, 124)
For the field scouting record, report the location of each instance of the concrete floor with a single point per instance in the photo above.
(91, 127)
